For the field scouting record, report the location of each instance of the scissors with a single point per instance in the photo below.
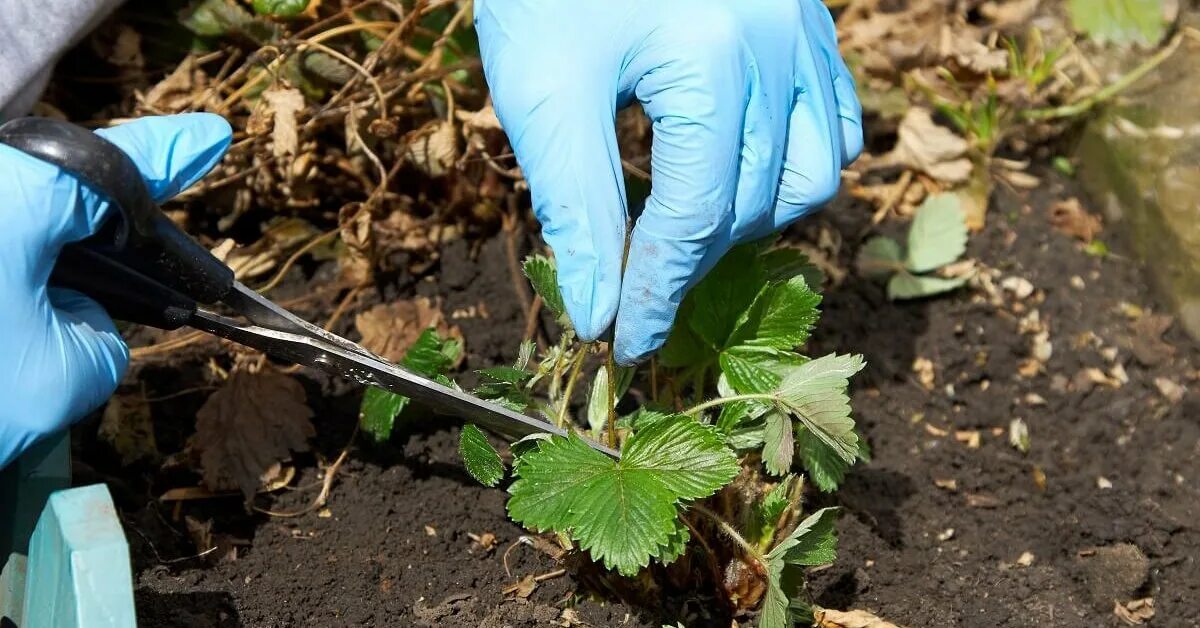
(144, 269)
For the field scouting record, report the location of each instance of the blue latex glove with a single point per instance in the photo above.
(62, 355)
(754, 116)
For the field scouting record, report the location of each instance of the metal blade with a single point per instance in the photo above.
(265, 313)
(364, 368)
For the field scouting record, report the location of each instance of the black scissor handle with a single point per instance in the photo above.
(140, 265)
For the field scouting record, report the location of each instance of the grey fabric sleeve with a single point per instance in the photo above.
(33, 35)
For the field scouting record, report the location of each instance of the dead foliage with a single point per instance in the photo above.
(389, 329)
(829, 618)
(248, 427)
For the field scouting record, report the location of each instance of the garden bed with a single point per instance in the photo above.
(949, 525)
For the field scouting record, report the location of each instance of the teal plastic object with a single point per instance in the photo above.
(78, 572)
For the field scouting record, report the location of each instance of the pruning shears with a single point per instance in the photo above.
(144, 269)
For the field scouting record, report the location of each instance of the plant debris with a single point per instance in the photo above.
(247, 427)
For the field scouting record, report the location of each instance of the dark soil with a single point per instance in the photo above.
(392, 549)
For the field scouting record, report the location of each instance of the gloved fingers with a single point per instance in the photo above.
(172, 152)
(69, 362)
(819, 22)
(696, 101)
(92, 347)
(562, 129)
(815, 152)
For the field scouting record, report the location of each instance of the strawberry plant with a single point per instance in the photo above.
(936, 239)
(731, 422)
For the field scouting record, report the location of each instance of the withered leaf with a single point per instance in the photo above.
(247, 427)
(1135, 613)
(928, 147)
(284, 104)
(1147, 344)
(433, 148)
(963, 47)
(1071, 218)
(177, 91)
(829, 618)
(389, 329)
(127, 428)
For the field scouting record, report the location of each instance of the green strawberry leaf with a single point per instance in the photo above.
(781, 317)
(779, 445)
(825, 468)
(773, 504)
(597, 408)
(622, 512)
(378, 411)
(880, 258)
(721, 298)
(543, 275)
(430, 356)
(1120, 21)
(938, 234)
(784, 263)
(904, 285)
(481, 459)
(813, 542)
(815, 393)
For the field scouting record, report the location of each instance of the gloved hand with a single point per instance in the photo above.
(754, 116)
(63, 356)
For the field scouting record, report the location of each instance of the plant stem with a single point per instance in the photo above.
(712, 403)
(760, 562)
(611, 368)
(1109, 91)
(566, 400)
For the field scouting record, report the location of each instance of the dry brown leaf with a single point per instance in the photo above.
(389, 329)
(1135, 613)
(1147, 344)
(925, 146)
(483, 120)
(178, 90)
(829, 618)
(523, 588)
(284, 104)
(126, 426)
(962, 46)
(891, 41)
(247, 427)
(1007, 13)
(433, 148)
(1071, 218)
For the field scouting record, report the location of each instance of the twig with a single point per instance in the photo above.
(287, 265)
(1109, 91)
(708, 550)
(383, 172)
(531, 318)
(138, 353)
(342, 306)
(759, 561)
(325, 486)
(180, 393)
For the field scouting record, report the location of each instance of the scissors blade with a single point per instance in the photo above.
(367, 369)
